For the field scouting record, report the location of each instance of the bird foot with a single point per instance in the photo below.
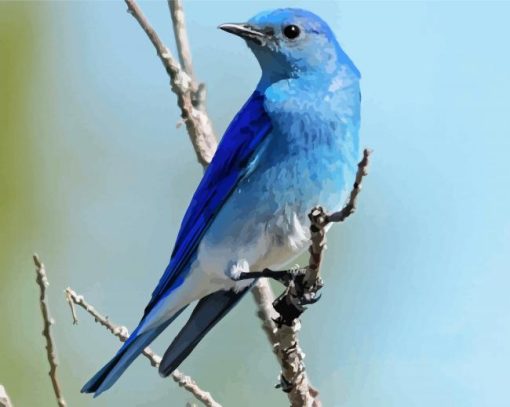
(293, 301)
(297, 295)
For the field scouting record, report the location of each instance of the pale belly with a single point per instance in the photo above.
(265, 224)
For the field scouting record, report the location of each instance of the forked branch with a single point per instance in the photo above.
(197, 121)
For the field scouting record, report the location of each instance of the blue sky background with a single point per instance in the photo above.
(95, 176)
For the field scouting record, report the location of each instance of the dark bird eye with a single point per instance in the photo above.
(291, 31)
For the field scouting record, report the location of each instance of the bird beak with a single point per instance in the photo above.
(245, 31)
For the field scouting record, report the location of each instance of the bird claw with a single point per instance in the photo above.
(293, 301)
(284, 384)
(310, 298)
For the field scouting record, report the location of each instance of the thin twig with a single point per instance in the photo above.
(285, 345)
(51, 351)
(5, 401)
(198, 90)
(319, 220)
(181, 36)
(71, 305)
(122, 333)
(197, 122)
(350, 206)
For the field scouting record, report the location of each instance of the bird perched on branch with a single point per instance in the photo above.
(292, 146)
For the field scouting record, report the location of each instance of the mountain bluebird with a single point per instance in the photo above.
(292, 146)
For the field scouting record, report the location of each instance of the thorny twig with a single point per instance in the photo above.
(122, 333)
(51, 352)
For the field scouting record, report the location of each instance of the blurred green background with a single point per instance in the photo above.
(95, 177)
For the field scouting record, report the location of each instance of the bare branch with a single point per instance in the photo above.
(285, 345)
(293, 378)
(198, 90)
(51, 351)
(350, 207)
(319, 219)
(5, 401)
(181, 36)
(197, 122)
(122, 333)
(190, 385)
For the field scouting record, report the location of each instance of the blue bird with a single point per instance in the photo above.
(293, 145)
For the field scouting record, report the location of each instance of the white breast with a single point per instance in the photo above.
(272, 244)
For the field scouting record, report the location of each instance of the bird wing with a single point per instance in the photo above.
(230, 163)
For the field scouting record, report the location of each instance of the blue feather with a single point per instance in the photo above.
(110, 373)
(230, 163)
(208, 312)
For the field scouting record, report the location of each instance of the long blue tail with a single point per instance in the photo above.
(109, 374)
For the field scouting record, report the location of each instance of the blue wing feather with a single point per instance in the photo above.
(235, 151)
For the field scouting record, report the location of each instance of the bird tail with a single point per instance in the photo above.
(136, 343)
(208, 312)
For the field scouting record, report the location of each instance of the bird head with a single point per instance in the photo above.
(290, 43)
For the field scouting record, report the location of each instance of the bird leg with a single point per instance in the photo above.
(283, 276)
(297, 294)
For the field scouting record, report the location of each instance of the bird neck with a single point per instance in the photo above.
(315, 82)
